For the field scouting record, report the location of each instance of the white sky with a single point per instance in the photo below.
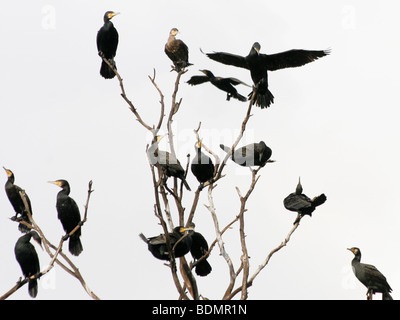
(334, 123)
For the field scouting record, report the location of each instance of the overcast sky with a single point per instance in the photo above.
(334, 123)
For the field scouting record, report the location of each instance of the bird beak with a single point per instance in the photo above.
(112, 15)
(57, 183)
(204, 71)
(160, 137)
(186, 229)
(8, 172)
(350, 249)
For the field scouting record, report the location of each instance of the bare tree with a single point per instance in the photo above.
(165, 197)
(55, 252)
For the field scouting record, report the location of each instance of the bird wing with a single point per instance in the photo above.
(292, 58)
(198, 80)
(235, 82)
(229, 59)
(295, 202)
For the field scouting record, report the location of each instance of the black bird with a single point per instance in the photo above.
(198, 249)
(107, 42)
(370, 277)
(224, 84)
(202, 166)
(254, 154)
(302, 204)
(69, 215)
(28, 259)
(168, 162)
(177, 51)
(180, 241)
(14, 196)
(259, 65)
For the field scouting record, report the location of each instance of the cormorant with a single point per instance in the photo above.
(158, 245)
(69, 215)
(370, 277)
(255, 154)
(169, 163)
(224, 84)
(13, 195)
(259, 65)
(107, 42)
(198, 249)
(302, 204)
(28, 260)
(202, 166)
(177, 51)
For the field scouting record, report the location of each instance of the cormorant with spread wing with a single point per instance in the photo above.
(370, 277)
(302, 204)
(259, 64)
(224, 84)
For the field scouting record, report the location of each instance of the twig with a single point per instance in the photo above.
(75, 271)
(263, 265)
(124, 96)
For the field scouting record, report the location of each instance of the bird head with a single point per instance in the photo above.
(174, 32)
(9, 172)
(61, 183)
(109, 15)
(355, 250)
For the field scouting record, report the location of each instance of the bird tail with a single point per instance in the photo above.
(262, 99)
(75, 246)
(105, 71)
(203, 268)
(33, 288)
(143, 237)
(186, 184)
(240, 97)
(317, 201)
(386, 296)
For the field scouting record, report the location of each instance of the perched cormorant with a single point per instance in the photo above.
(224, 84)
(302, 204)
(254, 154)
(158, 245)
(169, 163)
(370, 277)
(202, 166)
(69, 215)
(28, 260)
(177, 51)
(107, 42)
(198, 249)
(259, 65)
(14, 196)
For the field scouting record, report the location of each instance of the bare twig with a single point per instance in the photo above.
(75, 271)
(124, 96)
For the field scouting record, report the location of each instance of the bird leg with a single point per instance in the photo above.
(228, 97)
(65, 238)
(369, 294)
(101, 54)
